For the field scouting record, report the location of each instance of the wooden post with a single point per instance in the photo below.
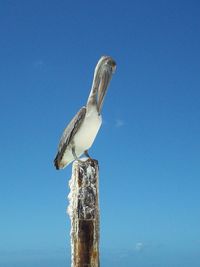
(84, 214)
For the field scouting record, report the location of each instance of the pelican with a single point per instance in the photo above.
(80, 133)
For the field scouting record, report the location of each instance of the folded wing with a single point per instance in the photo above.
(68, 135)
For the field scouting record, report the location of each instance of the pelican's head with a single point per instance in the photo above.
(105, 63)
(104, 70)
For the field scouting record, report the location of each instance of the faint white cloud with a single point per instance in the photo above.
(38, 64)
(119, 123)
(139, 246)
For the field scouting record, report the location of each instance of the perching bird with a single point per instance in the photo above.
(80, 133)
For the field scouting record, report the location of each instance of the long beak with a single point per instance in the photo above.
(103, 86)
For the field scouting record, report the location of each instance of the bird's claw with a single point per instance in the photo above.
(87, 155)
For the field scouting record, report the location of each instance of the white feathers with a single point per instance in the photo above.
(85, 135)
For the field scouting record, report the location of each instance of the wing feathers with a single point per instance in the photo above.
(68, 135)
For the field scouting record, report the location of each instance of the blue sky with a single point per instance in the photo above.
(149, 144)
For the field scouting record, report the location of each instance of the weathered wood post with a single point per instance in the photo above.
(84, 214)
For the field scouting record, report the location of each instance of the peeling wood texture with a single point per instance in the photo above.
(84, 214)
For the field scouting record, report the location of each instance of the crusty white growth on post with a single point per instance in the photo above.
(84, 214)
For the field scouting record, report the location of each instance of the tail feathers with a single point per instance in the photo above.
(56, 162)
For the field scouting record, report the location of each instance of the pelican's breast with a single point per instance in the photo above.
(85, 136)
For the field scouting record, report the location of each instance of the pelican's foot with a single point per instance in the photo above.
(86, 154)
(81, 162)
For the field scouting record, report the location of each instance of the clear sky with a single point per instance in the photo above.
(149, 144)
